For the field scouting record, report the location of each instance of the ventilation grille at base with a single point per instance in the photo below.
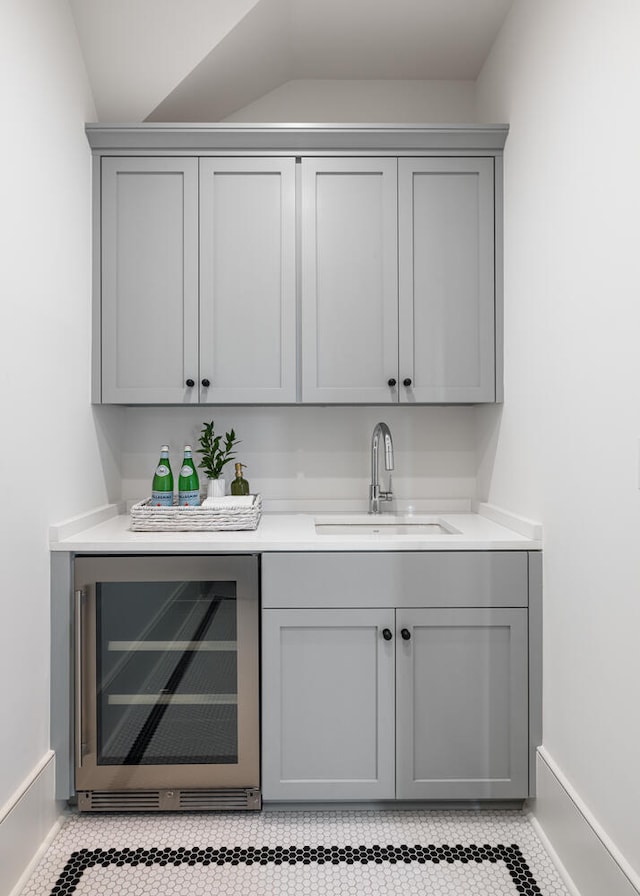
(227, 799)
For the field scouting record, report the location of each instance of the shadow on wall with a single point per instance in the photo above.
(488, 421)
(109, 427)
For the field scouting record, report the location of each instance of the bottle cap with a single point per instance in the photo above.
(164, 448)
(187, 447)
(239, 469)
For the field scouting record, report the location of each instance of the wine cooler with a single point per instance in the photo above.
(167, 689)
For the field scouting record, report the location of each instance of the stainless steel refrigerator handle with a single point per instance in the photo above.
(78, 675)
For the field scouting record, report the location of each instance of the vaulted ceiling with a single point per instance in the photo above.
(202, 60)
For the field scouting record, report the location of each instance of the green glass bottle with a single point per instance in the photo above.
(239, 486)
(162, 488)
(188, 482)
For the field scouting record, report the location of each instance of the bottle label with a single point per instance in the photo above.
(186, 471)
(161, 499)
(189, 498)
(162, 470)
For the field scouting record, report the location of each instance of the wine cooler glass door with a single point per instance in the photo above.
(169, 684)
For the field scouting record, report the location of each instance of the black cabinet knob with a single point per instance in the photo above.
(386, 634)
(190, 383)
(391, 382)
(206, 383)
(406, 634)
(406, 381)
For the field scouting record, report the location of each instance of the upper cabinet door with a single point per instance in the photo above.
(247, 280)
(349, 280)
(447, 280)
(149, 260)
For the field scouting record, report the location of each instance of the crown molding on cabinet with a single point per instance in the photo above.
(149, 137)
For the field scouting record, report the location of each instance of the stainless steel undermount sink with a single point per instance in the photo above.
(383, 525)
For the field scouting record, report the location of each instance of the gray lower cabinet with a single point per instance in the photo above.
(374, 702)
(327, 705)
(461, 704)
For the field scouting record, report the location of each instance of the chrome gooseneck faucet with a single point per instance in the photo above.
(375, 494)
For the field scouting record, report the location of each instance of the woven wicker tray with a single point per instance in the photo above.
(145, 518)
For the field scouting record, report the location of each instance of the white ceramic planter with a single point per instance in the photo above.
(216, 488)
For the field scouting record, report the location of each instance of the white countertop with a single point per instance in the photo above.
(107, 530)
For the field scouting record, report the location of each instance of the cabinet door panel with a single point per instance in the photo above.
(447, 314)
(349, 280)
(328, 705)
(149, 280)
(247, 285)
(462, 704)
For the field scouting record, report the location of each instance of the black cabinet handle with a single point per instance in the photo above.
(206, 383)
(386, 634)
(391, 382)
(406, 381)
(406, 634)
(190, 383)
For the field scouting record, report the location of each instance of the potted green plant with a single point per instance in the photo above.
(215, 454)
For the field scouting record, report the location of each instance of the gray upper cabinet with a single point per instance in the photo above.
(149, 280)
(349, 280)
(447, 280)
(277, 264)
(198, 281)
(247, 281)
(398, 283)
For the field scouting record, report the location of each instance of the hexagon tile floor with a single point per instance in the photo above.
(334, 853)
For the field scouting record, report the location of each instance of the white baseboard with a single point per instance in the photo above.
(28, 822)
(587, 859)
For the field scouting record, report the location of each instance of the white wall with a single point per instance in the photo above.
(54, 456)
(136, 53)
(364, 101)
(566, 75)
(314, 454)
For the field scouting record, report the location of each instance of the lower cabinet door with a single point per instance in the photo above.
(328, 704)
(462, 704)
